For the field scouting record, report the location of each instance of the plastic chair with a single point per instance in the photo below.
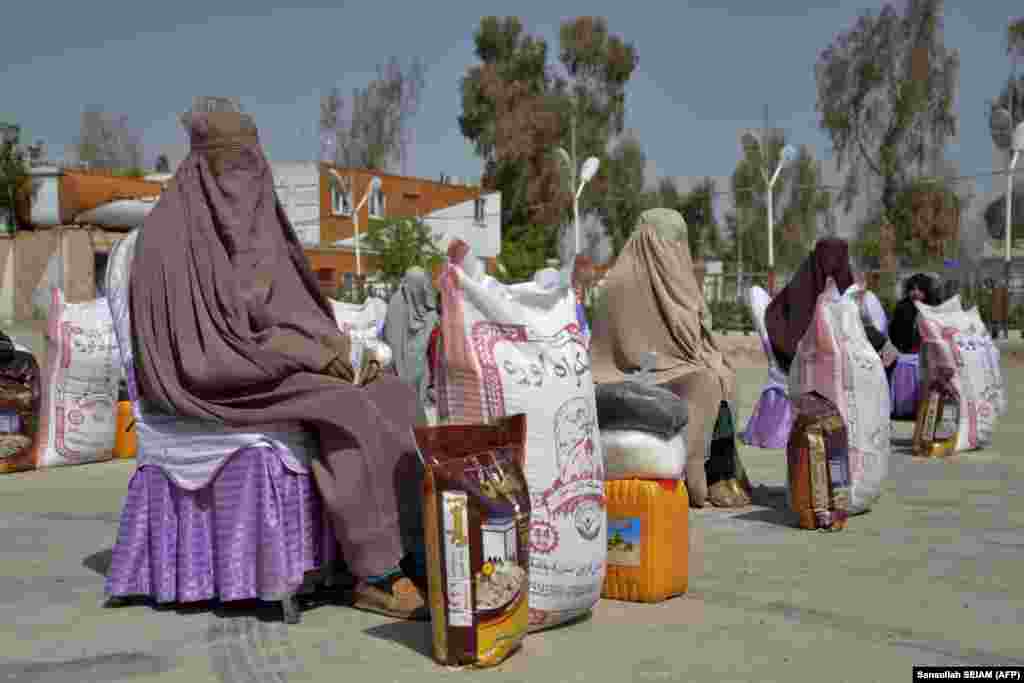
(213, 512)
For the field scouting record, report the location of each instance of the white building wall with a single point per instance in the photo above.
(298, 187)
(459, 222)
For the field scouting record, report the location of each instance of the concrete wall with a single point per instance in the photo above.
(36, 267)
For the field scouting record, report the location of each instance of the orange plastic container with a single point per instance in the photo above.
(648, 540)
(125, 442)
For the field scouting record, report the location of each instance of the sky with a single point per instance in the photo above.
(707, 68)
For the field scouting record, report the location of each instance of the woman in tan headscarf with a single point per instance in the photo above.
(651, 303)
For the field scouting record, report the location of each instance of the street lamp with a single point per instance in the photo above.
(374, 187)
(1017, 147)
(788, 155)
(587, 173)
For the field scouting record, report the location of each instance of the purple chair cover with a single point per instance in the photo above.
(904, 387)
(771, 421)
(252, 533)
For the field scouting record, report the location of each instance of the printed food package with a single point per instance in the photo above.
(20, 396)
(80, 391)
(509, 349)
(476, 517)
(818, 467)
(938, 418)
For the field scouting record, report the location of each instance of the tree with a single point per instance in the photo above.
(376, 133)
(624, 201)
(697, 207)
(799, 203)
(521, 258)
(163, 164)
(885, 95)
(516, 109)
(14, 172)
(401, 244)
(107, 141)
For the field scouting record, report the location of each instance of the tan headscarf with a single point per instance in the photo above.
(651, 302)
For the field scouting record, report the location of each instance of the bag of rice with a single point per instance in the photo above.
(476, 518)
(83, 368)
(835, 360)
(509, 349)
(959, 342)
(365, 327)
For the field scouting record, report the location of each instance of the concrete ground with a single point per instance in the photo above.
(931, 576)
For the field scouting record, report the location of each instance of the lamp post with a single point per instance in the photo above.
(1018, 146)
(374, 187)
(788, 155)
(587, 174)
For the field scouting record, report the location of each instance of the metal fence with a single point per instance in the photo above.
(352, 292)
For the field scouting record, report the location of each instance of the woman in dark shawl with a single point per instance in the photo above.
(790, 313)
(412, 316)
(903, 326)
(230, 325)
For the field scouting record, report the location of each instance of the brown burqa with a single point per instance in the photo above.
(652, 302)
(791, 310)
(230, 324)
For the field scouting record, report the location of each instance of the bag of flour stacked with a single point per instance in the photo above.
(835, 360)
(365, 326)
(960, 342)
(519, 349)
(83, 370)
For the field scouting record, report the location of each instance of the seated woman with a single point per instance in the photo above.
(229, 324)
(903, 380)
(651, 303)
(791, 311)
(772, 418)
(412, 316)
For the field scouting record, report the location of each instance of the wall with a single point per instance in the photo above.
(458, 222)
(7, 288)
(405, 197)
(298, 187)
(33, 252)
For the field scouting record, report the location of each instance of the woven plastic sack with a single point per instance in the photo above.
(960, 342)
(80, 388)
(509, 349)
(835, 359)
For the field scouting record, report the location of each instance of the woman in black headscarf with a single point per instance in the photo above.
(903, 333)
(903, 326)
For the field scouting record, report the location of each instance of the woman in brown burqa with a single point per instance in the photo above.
(230, 324)
(651, 302)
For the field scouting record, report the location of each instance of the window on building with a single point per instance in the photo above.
(478, 211)
(341, 201)
(378, 204)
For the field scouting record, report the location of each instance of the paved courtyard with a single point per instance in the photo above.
(931, 576)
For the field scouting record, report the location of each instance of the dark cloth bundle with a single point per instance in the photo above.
(640, 407)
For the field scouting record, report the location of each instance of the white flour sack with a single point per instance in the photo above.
(80, 388)
(835, 359)
(365, 327)
(958, 340)
(510, 349)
